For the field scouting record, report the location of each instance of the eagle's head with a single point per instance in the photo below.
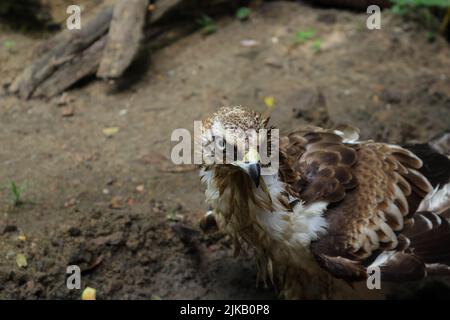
(232, 139)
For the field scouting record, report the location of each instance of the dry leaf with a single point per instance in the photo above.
(269, 101)
(88, 294)
(21, 260)
(109, 132)
(116, 203)
(249, 43)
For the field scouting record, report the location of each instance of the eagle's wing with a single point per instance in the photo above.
(373, 191)
(317, 164)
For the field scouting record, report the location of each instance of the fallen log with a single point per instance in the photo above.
(114, 35)
(67, 46)
(108, 43)
(124, 37)
(83, 64)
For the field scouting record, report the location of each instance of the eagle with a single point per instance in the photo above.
(336, 207)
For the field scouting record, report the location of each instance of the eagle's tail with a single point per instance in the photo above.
(428, 242)
(430, 234)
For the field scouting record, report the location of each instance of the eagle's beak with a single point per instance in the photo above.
(254, 171)
(252, 166)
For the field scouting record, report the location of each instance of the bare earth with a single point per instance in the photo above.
(118, 208)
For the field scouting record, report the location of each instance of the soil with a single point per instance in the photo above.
(116, 206)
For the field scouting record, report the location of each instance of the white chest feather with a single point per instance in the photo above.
(293, 229)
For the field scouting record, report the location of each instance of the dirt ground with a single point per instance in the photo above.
(116, 206)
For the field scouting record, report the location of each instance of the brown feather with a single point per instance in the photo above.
(378, 206)
(403, 267)
(323, 162)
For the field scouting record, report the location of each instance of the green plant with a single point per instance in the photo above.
(317, 45)
(207, 24)
(428, 12)
(16, 194)
(303, 36)
(425, 3)
(9, 45)
(243, 13)
(307, 35)
(431, 36)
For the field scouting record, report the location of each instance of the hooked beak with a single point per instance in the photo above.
(254, 171)
(252, 167)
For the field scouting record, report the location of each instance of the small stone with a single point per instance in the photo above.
(111, 181)
(274, 63)
(56, 242)
(74, 232)
(249, 43)
(67, 112)
(70, 203)
(64, 99)
(10, 254)
(391, 96)
(133, 244)
(80, 256)
(116, 238)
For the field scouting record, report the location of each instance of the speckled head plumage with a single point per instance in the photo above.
(237, 117)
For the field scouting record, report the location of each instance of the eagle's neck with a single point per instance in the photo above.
(262, 217)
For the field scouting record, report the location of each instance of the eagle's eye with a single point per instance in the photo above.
(220, 143)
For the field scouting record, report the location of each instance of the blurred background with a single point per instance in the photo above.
(86, 118)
